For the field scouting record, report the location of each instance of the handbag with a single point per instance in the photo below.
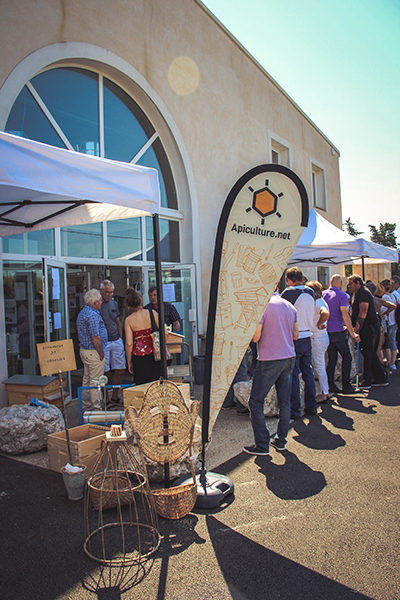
(155, 336)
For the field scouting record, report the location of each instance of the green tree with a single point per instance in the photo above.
(351, 228)
(385, 234)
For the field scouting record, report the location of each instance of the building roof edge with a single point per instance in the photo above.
(265, 72)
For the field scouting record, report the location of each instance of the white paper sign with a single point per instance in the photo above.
(55, 275)
(169, 292)
(57, 320)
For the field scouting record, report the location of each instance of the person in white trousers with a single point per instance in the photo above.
(319, 340)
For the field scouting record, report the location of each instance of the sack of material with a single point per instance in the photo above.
(155, 336)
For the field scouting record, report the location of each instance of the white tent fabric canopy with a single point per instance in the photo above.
(42, 187)
(324, 244)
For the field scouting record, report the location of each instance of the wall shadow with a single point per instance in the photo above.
(260, 574)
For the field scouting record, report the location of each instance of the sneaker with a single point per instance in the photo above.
(310, 411)
(393, 368)
(228, 406)
(277, 445)
(379, 383)
(333, 389)
(256, 450)
(349, 389)
(243, 412)
(365, 386)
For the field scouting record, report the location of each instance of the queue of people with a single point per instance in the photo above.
(101, 346)
(300, 326)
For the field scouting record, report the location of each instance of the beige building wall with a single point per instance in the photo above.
(224, 125)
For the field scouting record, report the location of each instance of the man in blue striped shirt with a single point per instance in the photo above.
(92, 335)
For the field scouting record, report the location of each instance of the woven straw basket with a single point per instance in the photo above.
(105, 490)
(175, 502)
(164, 429)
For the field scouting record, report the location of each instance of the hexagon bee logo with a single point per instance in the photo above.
(265, 202)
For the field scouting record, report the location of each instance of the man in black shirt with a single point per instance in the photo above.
(366, 323)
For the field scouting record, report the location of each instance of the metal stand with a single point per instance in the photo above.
(65, 417)
(212, 488)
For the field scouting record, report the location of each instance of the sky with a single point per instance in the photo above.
(340, 62)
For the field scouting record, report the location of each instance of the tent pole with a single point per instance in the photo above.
(160, 295)
(363, 267)
(161, 320)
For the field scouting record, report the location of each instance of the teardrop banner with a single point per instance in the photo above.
(261, 222)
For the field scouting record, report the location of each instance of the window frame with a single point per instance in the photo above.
(282, 147)
(318, 184)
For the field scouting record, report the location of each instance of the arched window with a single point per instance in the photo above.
(84, 111)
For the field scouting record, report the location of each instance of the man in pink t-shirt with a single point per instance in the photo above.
(276, 354)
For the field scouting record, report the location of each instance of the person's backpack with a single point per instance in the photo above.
(397, 311)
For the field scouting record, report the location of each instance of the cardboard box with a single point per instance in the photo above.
(85, 442)
(134, 396)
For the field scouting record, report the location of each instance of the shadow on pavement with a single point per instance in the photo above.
(42, 533)
(259, 573)
(177, 536)
(337, 417)
(293, 480)
(315, 435)
(355, 404)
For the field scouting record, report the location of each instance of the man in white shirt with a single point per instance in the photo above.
(395, 281)
(303, 299)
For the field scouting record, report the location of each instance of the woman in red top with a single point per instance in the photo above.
(138, 341)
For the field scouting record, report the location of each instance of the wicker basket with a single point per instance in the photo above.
(104, 490)
(175, 502)
(164, 432)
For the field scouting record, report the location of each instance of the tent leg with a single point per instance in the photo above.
(161, 320)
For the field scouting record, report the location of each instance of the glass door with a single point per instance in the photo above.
(179, 288)
(56, 318)
(55, 303)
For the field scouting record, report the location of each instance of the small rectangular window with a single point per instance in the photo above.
(318, 186)
(280, 150)
(275, 157)
(323, 275)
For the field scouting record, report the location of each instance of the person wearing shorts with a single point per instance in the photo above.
(114, 351)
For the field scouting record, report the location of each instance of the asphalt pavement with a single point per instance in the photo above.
(319, 521)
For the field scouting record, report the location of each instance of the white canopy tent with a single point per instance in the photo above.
(323, 244)
(43, 187)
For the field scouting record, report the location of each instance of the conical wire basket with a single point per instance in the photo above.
(121, 525)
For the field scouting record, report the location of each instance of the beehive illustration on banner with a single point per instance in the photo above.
(260, 225)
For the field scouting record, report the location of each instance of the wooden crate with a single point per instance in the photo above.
(85, 442)
(174, 337)
(22, 388)
(134, 396)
